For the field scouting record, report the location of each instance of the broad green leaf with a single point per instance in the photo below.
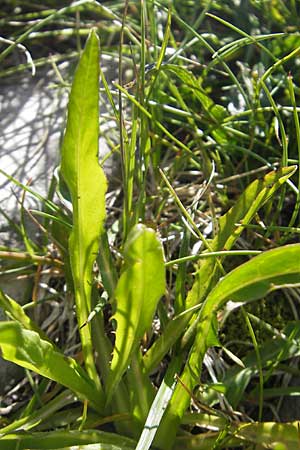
(254, 279)
(140, 286)
(250, 281)
(87, 184)
(27, 349)
(73, 440)
(253, 198)
(269, 435)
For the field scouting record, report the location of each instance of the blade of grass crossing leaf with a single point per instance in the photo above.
(87, 184)
(259, 365)
(158, 407)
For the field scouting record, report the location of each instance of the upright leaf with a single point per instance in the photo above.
(87, 184)
(140, 286)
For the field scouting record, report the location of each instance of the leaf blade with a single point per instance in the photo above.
(263, 271)
(27, 349)
(87, 184)
(139, 288)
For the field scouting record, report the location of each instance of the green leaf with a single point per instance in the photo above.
(87, 184)
(140, 286)
(27, 349)
(73, 440)
(271, 435)
(256, 278)
(216, 113)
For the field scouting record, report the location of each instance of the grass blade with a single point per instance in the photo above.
(158, 407)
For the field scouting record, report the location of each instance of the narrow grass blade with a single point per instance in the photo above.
(259, 365)
(40, 415)
(27, 349)
(87, 184)
(158, 407)
(273, 351)
(295, 214)
(140, 286)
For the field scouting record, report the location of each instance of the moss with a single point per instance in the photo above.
(274, 311)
